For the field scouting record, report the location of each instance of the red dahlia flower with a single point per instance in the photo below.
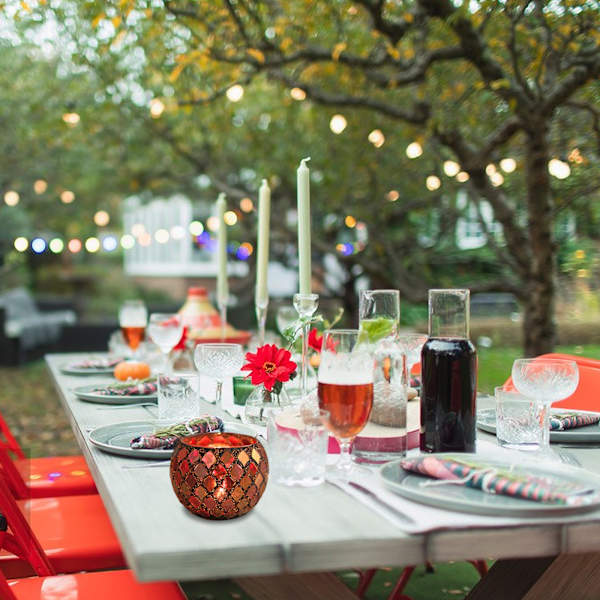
(315, 341)
(269, 365)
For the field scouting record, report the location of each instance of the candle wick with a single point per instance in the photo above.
(264, 182)
(305, 160)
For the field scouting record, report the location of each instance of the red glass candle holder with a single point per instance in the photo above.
(219, 475)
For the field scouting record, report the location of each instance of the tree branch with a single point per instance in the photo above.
(393, 30)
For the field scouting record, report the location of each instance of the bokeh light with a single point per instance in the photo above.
(157, 108)
(350, 221)
(235, 93)
(298, 94)
(38, 245)
(67, 196)
(110, 243)
(230, 218)
(462, 177)
(161, 236)
(433, 183)
(145, 239)
(56, 245)
(337, 124)
(11, 198)
(21, 244)
(490, 169)
(102, 218)
(376, 138)
(178, 232)
(92, 244)
(557, 168)
(127, 242)
(508, 165)
(212, 223)
(393, 195)
(74, 245)
(246, 205)
(451, 168)
(138, 229)
(497, 179)
(40, 186)
(414, 150)
(71, 118)
(196, 228)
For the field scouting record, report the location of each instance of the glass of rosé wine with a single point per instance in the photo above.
(346, 387)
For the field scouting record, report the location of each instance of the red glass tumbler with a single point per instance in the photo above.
(219, 475)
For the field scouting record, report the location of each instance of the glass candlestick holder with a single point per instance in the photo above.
(261, 306)
(222, 305)
(306, 306)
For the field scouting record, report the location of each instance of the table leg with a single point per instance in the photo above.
(562, 577)
(301, 586)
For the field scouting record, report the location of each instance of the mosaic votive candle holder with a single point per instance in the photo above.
(219, 475)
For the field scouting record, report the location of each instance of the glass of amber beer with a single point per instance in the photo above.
(346, 386)
(133, 318)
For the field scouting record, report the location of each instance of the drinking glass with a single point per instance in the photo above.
(178, 397)
(133, 318)
(546, 380)
(379, 313)
(518, 420)
(285, 317)
(219, 361)
(411, 344)
(345, 387)
(165, 331)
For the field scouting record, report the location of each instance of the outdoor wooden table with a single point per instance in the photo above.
(288, 545)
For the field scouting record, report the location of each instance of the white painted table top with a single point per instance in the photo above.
(290, 530)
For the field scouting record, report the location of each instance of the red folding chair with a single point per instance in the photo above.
(586, 395)
(82, 586)
(42, 477)
(74, 534)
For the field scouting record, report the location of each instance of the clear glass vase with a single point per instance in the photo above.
(260, 402)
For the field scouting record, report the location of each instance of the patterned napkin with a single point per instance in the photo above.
(165, 439)
(143, 387)
(563, 421)
(492, 479)
(95, 363)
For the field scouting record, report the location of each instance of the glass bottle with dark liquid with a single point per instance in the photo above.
(449, 376)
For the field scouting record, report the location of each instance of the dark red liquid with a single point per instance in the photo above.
(448, 392)
(349, 407)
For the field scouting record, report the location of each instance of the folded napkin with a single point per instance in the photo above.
(165, 439)
(144, 387)
(562, 421)
(492, 479)
(96, 363)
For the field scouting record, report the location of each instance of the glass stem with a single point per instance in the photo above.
(304, 380)
(219, 393)
(345, 460)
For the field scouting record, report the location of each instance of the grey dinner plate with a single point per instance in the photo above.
(116, 438)
(68, 370)
(469, 500)
(87, 393)
(486, 421)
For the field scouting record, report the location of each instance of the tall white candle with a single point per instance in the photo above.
(222, 286)
(304, 275)
(262, 257)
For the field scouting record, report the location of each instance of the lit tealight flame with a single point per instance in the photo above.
(235, 93)
(376, 138)
(414, 150)
(11, 198)
(433, 183)
(337, 124)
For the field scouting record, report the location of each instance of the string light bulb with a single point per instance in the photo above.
(414, 150)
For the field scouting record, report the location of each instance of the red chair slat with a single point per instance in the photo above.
(7, 439)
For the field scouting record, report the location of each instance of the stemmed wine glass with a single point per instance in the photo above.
(133, 318)
(165, 331)
(219, 361)
(285, 316)
(379, 313)
(546, 380)
(346, 387)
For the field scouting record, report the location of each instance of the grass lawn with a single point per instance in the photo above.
(30, 405)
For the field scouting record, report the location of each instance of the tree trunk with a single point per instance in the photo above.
(539, 327)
